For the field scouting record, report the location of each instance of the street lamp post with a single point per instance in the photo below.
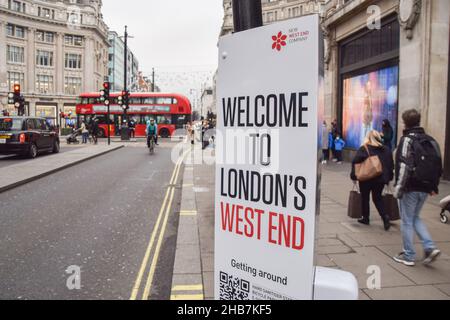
(247, 14)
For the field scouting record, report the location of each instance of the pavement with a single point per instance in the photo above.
(17, 171)
(95, 220)
(342, 243)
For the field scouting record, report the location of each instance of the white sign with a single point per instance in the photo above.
(267, 159)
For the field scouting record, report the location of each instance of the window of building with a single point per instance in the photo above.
(73, 40)
(45, 36)
(15, 31)
(15, 54)
(44, 58)
(16, 6)
(369, 76)
(44, 83)
(371, 44)
(46, 13)
(15, 78)
(72, 85)
(73, 61)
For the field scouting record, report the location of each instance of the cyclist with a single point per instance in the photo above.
(152, 131)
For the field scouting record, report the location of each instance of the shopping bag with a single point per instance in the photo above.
(391, 206)
(355, 204)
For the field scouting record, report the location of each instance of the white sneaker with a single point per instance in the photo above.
(401, 259)
(431, 256)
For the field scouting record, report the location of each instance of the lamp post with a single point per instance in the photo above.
(247, 14)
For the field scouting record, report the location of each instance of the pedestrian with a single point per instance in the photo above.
(418, 170)
(334, 132)
(325, 143)
(388, 134)
(373, 146)
(84, 132)
(339, 145)
(132, 126)
(95, 129)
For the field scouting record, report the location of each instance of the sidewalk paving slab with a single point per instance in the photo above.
(19, 174)
(407, 293)
(343, 243)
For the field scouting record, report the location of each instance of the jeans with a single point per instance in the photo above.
(338, 155)
(85, 137)
(410, 206)
(376, 188)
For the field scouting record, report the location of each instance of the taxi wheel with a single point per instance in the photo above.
(32, 153)
(56, 147)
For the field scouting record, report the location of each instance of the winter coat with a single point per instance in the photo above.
(339, 144)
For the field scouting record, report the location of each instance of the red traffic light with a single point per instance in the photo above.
(17, 88)
(106, 85)
(124, 93)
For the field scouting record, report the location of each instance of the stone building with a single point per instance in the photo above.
(274, 10)
(55, 50)
(382, 58)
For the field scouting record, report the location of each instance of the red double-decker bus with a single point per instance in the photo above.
(170, 111)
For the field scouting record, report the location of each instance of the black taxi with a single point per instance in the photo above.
(27, 136)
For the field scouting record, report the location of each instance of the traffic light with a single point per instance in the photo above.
(104, 93)
(120, 99)
(126, 99)
(15, 98)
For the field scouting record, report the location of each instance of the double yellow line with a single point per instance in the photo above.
(163, 216)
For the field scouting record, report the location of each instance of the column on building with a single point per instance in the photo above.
(60, 72)
(89, 65)
(437, 69)
(3, 71)
(59, 63)
(30, 76)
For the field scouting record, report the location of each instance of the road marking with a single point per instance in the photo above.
(151, 274)
(195, 287)
(188, 213)
(144, 263)
(186, 297)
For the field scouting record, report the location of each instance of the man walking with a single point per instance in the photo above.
(418, 170)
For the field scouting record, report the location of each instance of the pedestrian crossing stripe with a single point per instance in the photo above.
(187, 213)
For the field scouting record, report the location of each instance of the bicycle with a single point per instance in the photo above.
(151, 144)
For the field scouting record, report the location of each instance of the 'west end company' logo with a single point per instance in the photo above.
(281, 40)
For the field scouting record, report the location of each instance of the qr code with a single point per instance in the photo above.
(233, 288)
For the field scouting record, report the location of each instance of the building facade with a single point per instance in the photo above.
(116, 64)
(54, 50)
(207, 102)
(274, 10)
(382, 58)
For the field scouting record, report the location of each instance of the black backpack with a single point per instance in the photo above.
(427, 161)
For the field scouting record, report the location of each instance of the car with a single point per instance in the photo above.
(27, 136)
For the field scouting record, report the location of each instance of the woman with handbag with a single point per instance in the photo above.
(373, 168)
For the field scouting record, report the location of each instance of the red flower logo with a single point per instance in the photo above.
(279, 41)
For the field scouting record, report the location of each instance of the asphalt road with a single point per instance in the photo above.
(98, 216)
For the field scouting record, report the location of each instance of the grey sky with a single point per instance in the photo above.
(172, 35)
